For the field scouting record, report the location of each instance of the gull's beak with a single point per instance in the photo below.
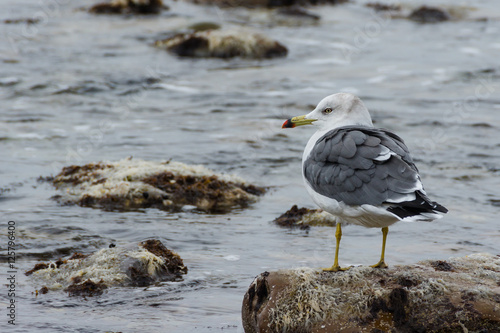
(297, 121)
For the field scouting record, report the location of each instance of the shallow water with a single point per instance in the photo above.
(77, 88)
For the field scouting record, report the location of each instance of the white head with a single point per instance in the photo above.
(334, 111)
(340, 109)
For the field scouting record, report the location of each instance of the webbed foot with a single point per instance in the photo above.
(335, 268)
(380, 264)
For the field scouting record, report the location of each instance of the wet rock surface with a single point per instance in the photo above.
(129, 7)
(136, 265)
(426, 14)
(426, 297)
(383, 7)
(88, 288)
(223, 44)
(132, 184)
(303, 218)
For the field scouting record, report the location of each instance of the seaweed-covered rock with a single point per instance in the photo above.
(88, 288)
(133, 265)
(267, 3)
(132, 184)
(426, 14)
(129, 7)
(304, 218)
(223, 44)
(413, 298)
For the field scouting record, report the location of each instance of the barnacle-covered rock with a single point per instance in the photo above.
(132, 184)
(131, 265)
(457, 295)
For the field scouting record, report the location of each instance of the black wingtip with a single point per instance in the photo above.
(439, 208)
(420, 205)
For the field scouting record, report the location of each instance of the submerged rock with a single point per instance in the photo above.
(267, 3)
(304, 218)
(88, 275)
(129, 7)
(223, 44)
(426, 14)
(132, 184)
(203, 26)
(22, 20)
(459, 296)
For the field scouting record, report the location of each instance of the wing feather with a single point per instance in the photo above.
(361, 165)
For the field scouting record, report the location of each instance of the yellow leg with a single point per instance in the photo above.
(381, 263)
(336, 267)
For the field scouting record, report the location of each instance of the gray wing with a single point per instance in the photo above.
(361, 165)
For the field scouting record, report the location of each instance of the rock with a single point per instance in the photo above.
(266, 3)
(22, 20)
(203, 26)
(383, 7)
(88, 288)
(223, 44)
(129, 7)
(132, 184)
(43, 290)
(464, 296)
(304, 218)
(426, 14)
(89, 275)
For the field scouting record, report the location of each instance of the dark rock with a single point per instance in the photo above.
(383, 7)
(144, 7)
(78, 255)
(304, 218)
(426, 14)
(36, 268)
(22, 20)
(86, 289)
(173, 263)
(43, 290)
(203, 26)
(223, 44)
(293, 217)
(441, 265)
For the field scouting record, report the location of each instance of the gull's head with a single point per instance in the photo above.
(334, 111)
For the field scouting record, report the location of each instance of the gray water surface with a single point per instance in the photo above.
(77, 88)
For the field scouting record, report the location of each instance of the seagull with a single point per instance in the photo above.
(361, 174)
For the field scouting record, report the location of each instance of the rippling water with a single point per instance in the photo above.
(77, 88)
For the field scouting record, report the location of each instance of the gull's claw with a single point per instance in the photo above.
(336, 268)
(380, 264)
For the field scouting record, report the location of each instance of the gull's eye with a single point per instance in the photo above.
(327, 111)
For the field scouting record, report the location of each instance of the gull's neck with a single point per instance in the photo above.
(312, 141)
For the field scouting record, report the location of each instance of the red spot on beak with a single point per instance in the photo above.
(288, 124)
